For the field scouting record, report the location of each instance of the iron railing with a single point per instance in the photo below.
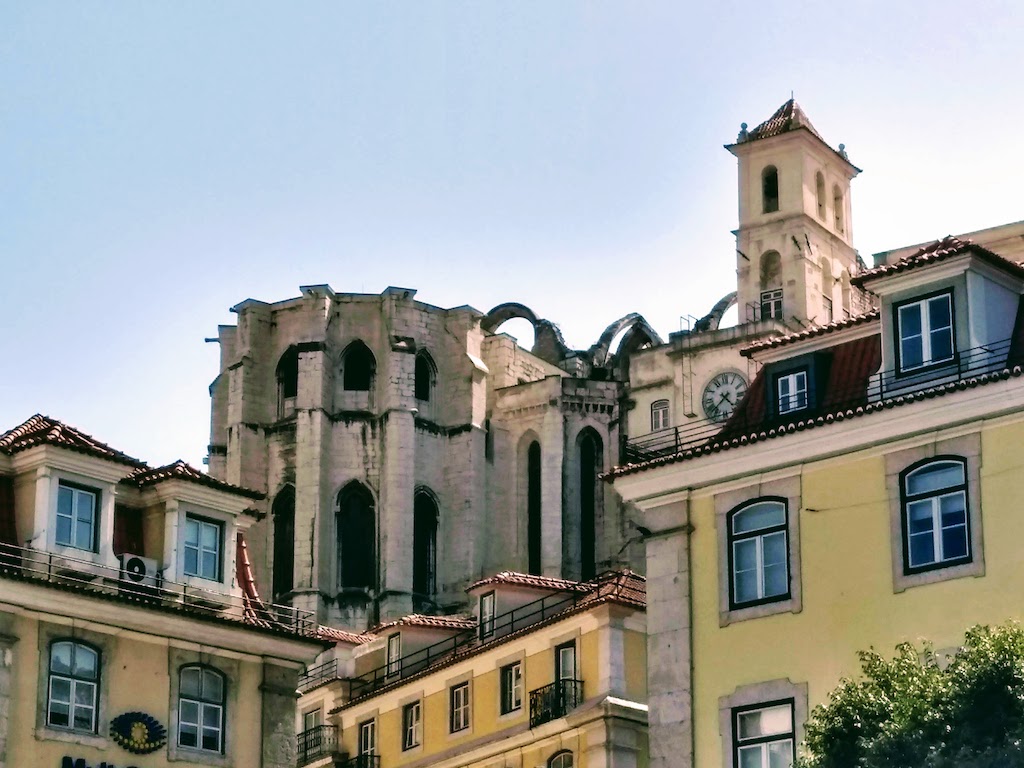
(362, 761)
(884, 385)
(503, 624)
(66, 571)
(318, 675)
(316, 742)
(554, 701)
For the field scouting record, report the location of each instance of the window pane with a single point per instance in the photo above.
(60, 658)
(911, 352)
(941, 344)
(63, 530)
(774, 549)
(954, 542)
(60, 690)
(189, 685)
(910, 321)
(209, 570)
(211, 717)
(746, 586)
(952, 509)
(922, 549)
(776, 580)
(84, 693)
(60, 714)
(939, 315)
(920, 517)
(188, 735)
(191, 561)
(750, 757)
(83, 535)
(765, 722)
(780, 754)
(213, 687)
(934, 477)
(85, 506)
(85, 662)
(188, 712)
(211, 740)
(210, 537)
(763, 515)
(64, 501)
(192, 533)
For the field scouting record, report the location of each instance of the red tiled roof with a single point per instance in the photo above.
(528, 580)
(457, 623)
(788, 117)
(940, 250)
(180, 470)
(253, 609)
(336, 635)
(42, 430)
(623, 587)
(808, 333)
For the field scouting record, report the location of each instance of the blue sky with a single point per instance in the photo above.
(162, 161)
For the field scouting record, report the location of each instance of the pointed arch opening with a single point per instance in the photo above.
(770, 189)
(591, 462)
(356, 537)
(424, 546)
(283, 512)
(837, 207)
(358, 367)
(287, 375)
(819, 193)
(533, 508)
(425, 377)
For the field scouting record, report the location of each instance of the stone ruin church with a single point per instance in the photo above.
(407, 450)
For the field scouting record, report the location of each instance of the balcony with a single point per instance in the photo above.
(362, 761)
(316, 743)
(318, 675)
(554, 701)
(68, 572)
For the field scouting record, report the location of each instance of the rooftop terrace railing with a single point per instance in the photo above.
(502, 625)
(318, 675)
(883, 385)
(66, 571)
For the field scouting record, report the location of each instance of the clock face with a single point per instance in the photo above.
(722, 394)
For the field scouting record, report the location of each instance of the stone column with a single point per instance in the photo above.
(278, 716)
(395, 515)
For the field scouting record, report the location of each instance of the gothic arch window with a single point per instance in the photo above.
(424, 545)
(358, 367)
(591, 455)
(770, 189)
(533, 508)
(426, 376)
(837, 206)
(356, 537)
(283, 511)
(819, 190)
(287, 382)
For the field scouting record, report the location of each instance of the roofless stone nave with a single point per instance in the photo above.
(407, 450)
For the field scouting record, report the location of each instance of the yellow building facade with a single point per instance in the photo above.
(131, 632)
(866, 492)
(548, 673)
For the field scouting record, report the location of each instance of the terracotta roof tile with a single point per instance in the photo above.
(940, 250)
(809, 333)
(788, 117)
(42, 430)
(179, 470)
(528, 580)
(336, 635)
(457, 623)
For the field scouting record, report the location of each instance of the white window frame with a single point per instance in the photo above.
(487, 611)
(75, 683)
(459, 716)
(312, 719)
(200, 550)
(510, 687)
(790, 388)
(659, 415)
(932, 500)
(394, 654)
(412, 725)
(368, 737)
(922, 308)
(762, 744)
(203, 705)
(773, 300)
(78, 493)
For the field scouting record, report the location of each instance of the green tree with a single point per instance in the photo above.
(913, 712)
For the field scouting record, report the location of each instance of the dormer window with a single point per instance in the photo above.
(924, 331)
(394, 654)
(203, 548)
(76, 517)
(792, 391)
(486, 615)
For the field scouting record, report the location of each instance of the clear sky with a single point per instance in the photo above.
(162, 161)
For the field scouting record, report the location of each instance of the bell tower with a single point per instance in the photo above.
(794, 244)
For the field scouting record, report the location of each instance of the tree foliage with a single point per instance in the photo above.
(912, 711)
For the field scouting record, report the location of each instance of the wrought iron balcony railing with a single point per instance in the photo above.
(554, 701)
(317, 742)
(883, 385)
(362, 761)
(67, 571)
(318, 675)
